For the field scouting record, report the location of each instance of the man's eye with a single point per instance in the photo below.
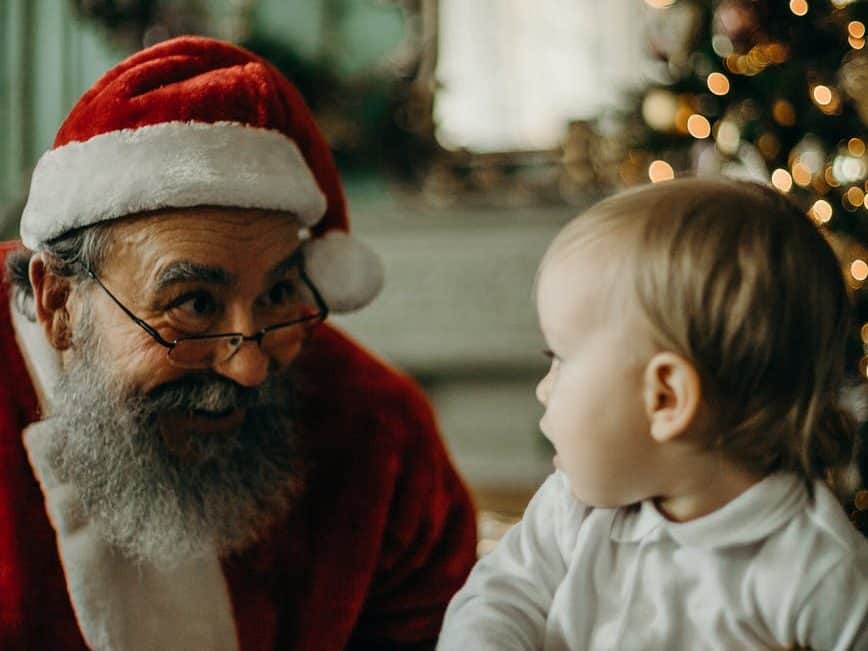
(194, 305)
(281, 294)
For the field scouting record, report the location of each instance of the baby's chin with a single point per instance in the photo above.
(598, 499)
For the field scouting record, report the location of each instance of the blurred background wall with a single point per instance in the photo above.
(468, 132)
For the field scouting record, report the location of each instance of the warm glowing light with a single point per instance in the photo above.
(856, 147)
(822, 95)
(659, 108)
(802, 174)
(855, 196)
(865, 201)
(718, 83)
(728, 137)
(782, 180)
(849, 169)
(733, 63)
(864, 332)
(859, 270)
(856, 43)
(821, 211)
(698, 126)
(682, 115)
(660, 170)
(768, 145)
(842, 3)
(659, 4)
(856, 29)
(784, 113)
(863, 366)
(799, 7)
(829, 176)
(777, 52)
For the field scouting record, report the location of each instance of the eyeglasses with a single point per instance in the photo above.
(298, 316)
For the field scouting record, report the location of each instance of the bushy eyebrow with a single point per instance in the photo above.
(185, 271)
(279, 270)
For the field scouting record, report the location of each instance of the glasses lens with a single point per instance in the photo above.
(201, 353)
(285, 339)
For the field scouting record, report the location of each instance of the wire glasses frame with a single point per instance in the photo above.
(203, 351)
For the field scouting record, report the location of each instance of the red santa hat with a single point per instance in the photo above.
(191, 122)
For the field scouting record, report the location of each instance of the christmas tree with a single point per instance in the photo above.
(774, 90)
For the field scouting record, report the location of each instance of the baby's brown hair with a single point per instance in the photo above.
(736, 279)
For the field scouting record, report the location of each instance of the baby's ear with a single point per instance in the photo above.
(50, 297)
(673, 394)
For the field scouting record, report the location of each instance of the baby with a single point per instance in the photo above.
(696, 330)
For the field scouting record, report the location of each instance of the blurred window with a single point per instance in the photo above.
(513, 73)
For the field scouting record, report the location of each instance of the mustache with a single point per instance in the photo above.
(210, 393)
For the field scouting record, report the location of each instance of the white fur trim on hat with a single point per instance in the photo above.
(167, 165)
(347, 273)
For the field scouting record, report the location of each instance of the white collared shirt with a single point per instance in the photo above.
(773, 568)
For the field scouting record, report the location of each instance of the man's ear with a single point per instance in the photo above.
(673, 394)
(51, 295)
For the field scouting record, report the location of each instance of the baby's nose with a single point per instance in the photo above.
(542, 390)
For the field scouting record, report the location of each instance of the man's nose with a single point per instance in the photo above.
(248, 366)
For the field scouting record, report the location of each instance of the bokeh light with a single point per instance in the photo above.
(799, 7)
(855, 195)
(802, 174)
(821, 211)
(728, 137)
(859, 270)
(698, 126)
(822, 95)
(782, 180)
(660, 170)
(718, 83)
(784, 113)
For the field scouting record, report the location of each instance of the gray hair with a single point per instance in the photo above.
(67, 255)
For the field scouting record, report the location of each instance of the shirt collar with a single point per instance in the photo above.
(753, 515)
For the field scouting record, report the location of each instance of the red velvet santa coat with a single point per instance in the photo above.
(367, 560)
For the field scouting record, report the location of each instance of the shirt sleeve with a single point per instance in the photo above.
(505, 602)
(835, 614)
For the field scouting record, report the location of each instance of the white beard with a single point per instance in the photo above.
(146, 501)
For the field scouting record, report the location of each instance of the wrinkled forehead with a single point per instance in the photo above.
(240, 242)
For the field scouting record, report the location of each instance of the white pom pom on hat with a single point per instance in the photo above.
(345, 271)
(195, 121)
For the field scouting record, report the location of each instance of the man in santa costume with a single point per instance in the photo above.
(189, 457)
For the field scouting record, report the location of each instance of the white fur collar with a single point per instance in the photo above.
(121, 605)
